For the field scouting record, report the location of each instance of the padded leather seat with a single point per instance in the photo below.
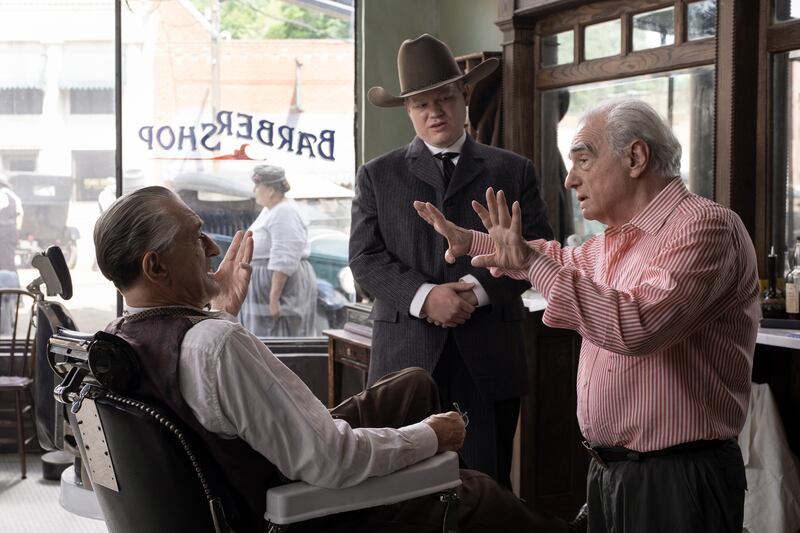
(151, 474)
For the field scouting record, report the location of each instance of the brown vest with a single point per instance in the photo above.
(156, 336)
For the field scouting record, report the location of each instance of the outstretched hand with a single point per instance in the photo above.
(511, 251)
(459, 239)
(233, 274)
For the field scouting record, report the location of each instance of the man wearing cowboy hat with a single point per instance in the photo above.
(458, 322)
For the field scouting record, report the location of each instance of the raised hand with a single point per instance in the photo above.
(233, 274)
(511, 251)
(459, 239)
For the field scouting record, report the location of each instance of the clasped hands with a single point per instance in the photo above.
(511, 252)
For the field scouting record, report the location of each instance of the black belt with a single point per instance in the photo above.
(607, 455)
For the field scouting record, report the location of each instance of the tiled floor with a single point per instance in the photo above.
(31, 505)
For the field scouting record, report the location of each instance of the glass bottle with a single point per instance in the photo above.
(773, 305)
(793, 285)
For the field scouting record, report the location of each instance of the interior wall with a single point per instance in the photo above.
(465, 25)
(468, 26)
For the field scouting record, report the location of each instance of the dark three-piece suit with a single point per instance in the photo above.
(480, 364)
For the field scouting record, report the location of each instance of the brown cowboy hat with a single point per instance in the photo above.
(423, 64)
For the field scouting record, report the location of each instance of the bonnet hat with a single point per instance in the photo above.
(268, 175)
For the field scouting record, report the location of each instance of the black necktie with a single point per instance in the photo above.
(447, 165)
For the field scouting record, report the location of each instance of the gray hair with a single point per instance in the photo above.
(272, 176)
(135, 223)
(628, 120)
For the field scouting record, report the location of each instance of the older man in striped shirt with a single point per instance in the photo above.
(666, 300)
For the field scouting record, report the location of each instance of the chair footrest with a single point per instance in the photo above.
(300, 501)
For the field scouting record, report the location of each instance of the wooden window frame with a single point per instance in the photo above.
(773, 38)
(738, 78)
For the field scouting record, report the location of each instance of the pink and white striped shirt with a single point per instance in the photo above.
(667, 305)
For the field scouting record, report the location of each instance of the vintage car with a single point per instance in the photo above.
(45, 203)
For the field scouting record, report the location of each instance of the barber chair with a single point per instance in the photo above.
(62, 459)
(151, 474)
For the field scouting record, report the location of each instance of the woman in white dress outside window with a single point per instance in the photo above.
(282, 298)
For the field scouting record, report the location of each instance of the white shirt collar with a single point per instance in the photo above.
(130, 310)
(455, 147)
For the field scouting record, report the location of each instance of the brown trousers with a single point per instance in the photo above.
(403, 398)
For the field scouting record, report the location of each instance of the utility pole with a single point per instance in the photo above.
(215, 81)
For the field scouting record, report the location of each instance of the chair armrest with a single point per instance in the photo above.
(300, 501)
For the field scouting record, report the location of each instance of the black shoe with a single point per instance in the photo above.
(581, 520)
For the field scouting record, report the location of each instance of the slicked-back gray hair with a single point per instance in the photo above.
(135, 223)
(628, 120)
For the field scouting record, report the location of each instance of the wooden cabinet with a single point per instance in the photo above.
(347, 349)
(553, 463)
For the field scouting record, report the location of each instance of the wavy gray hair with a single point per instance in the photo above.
(135, 223)
(628, 120)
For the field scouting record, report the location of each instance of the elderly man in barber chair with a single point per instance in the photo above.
(258, 419)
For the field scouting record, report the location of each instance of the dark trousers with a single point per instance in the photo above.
(690, 492)
(402, 398)
(490, 436)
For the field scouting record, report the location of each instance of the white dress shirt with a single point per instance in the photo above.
(235, 386)
(422, 292)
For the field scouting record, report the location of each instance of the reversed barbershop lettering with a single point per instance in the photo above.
(241, 126)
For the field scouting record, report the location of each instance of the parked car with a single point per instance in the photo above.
(45, 203)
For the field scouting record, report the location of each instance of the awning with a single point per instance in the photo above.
(87, 66)
(22, 65)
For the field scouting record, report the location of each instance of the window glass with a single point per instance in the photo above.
(206, 97)
(685, 98)
(786, 150)
(701, 19)
(48, 51)
(21, 101)
(786, 10)
(654, 28)
(210, 95)
(557, 49)
(13, 160)
(602, 40)
(91, 101)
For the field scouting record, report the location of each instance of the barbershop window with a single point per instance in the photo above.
(210, 89)
(640, 53)
(214, 89)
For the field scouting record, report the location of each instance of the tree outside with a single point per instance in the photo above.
(274, 19)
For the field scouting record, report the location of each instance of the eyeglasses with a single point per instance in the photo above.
(464, 416)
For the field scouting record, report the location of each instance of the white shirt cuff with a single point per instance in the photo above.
(419, 299)
(480, 292)
(425, 437)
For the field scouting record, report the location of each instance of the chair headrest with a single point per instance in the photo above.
(103, 357)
